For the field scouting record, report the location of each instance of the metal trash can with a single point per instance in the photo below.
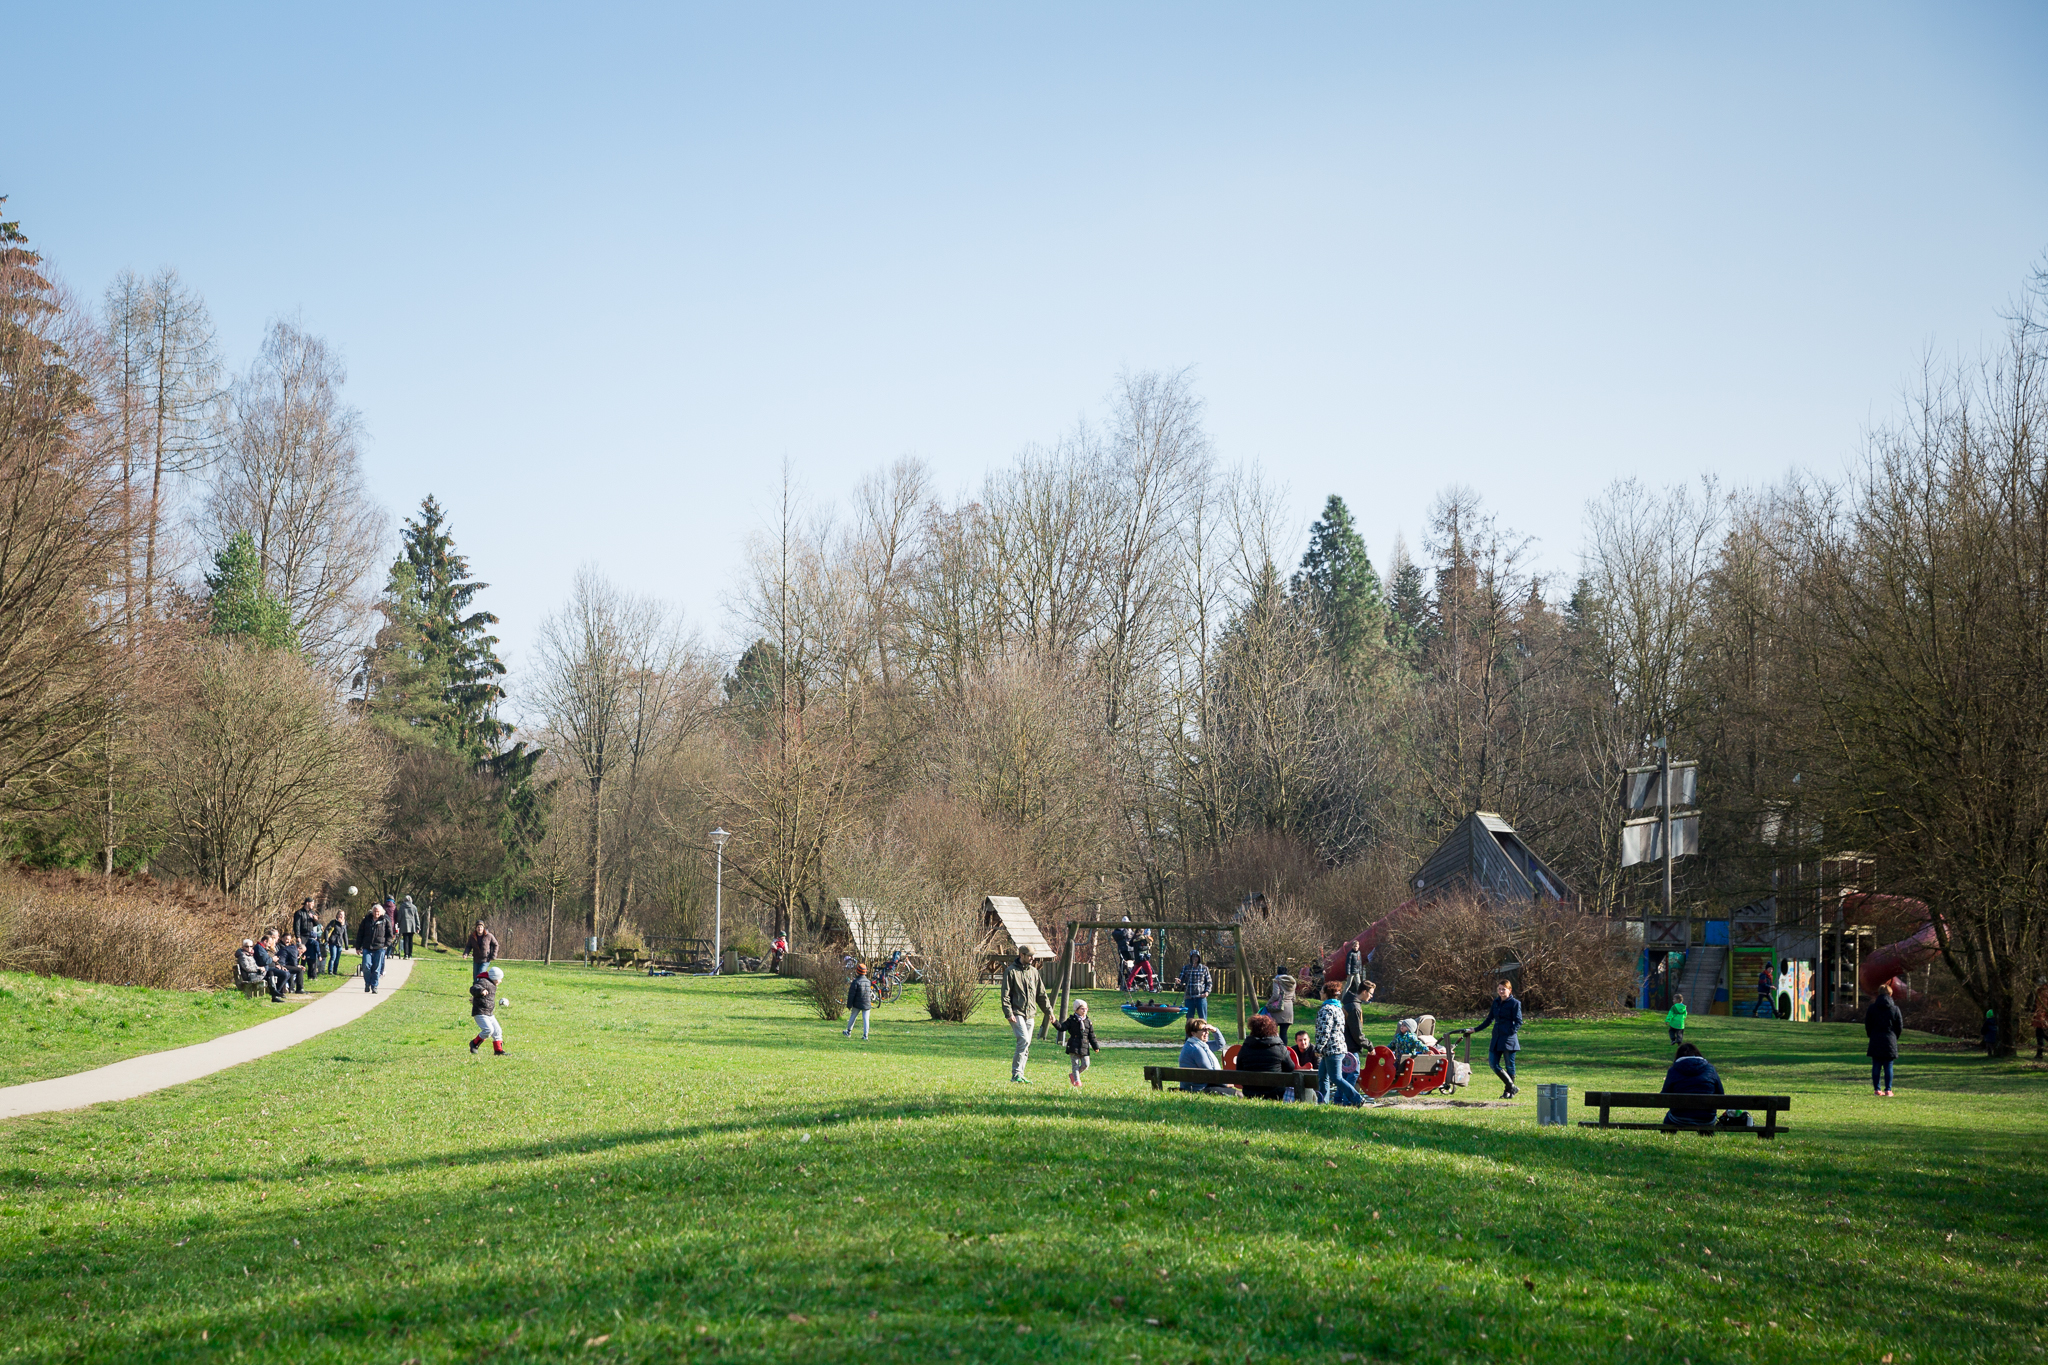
(1553, 1105)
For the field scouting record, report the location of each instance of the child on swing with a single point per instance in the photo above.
(1080, 1040)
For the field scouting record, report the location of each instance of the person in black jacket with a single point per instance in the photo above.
(1691, 1074)
(1264, 1051)
(1353, 1000)
(273, 970)
(306, 923)
(1883, 1022)
(293, 959)
(373, 940)
(483, 1007)
(1081, 1045)
(1505, 1022)
(860, 1002)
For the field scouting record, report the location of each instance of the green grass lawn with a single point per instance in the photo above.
(51, 1026)
(682, 1169)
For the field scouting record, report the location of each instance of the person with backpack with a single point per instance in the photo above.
(860, 1002)
(1674, 1019)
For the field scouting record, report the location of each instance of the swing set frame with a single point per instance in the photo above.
(1065, 969)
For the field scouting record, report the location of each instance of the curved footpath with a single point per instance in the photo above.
(124, 1080)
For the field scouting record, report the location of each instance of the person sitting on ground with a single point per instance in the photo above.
(1691, 1074)
(1264, 1051)
(1198, 1053)
(1408, 1040)
(1081, 1044)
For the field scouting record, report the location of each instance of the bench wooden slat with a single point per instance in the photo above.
(1160, 1076)
(1604, 1100)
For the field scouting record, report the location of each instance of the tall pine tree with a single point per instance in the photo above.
(1339, 585)
(433, 673)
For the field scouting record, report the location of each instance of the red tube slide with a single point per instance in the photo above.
(1889, 964)
(1333, 966)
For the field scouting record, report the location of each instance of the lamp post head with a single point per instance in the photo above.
(719, 836)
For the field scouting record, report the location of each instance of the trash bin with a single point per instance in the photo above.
(1553, 1105)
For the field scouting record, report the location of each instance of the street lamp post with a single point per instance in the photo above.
(718, 838)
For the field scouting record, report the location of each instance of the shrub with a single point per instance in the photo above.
(1446, 956)
(824, 986)
(949, 933)
(120, 931)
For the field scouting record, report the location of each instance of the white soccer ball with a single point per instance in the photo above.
(351, 890)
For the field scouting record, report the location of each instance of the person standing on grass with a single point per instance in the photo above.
(1081, 1044)
(1022, 992)
(1883, 1023)
(483, 947)
(1196, 981)
(1353, 1000)
(776, 952)
(408, 925)
(373, 941)
(483, 1008)
(1280, 1002)
(2040, 1019)
(306, 922)
(1674, 1019)
(1328, 1043)
(860, 1002)
(1504, 1027)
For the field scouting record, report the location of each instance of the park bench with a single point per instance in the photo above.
(1301, 1082)
(252, 989)
(1605, 1100)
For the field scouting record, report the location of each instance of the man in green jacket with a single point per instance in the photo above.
(1674, 1019)
(1022, 990)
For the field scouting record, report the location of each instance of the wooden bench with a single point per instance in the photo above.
(252, 989)
(1605, 1100)
(1301, 1082)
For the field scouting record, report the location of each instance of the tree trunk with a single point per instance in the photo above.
(591, 863)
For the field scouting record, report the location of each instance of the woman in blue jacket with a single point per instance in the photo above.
(1504, 1021)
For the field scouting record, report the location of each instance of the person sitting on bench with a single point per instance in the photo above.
(1196, 1053)
(1691, 1074)
(1264, 1051)
(247, 971)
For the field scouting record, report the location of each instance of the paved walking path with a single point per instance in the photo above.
(125, 1080)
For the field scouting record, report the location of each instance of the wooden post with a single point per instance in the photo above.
(1066, 966)
(1244, 976)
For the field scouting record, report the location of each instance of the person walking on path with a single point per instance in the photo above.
(860, 1002)
(483, 947)
(1196, 981)
(408, 925)
(1504, 1025)
(1883, 1022)
(1763, 995)
(337, 938)
(1022, 993)
(373, 941)
(1674, 1019)
(1328, 1042)
(483, 1007)
(1280, 1001)
(1081, 1044)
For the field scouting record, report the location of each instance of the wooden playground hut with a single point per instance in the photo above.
(874, 932)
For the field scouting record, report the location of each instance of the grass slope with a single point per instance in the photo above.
(694, 1170)
(52, 1026)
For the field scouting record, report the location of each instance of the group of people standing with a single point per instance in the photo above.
(284, 962)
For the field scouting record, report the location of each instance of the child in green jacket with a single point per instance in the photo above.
(1674, 1019)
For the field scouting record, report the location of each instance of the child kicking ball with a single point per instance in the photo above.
(483, 1007)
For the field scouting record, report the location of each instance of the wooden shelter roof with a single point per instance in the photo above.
(1009, 914)
(1486, 855)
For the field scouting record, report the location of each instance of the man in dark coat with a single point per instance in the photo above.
(1505, 1022)
(373, 940)
(483, 947)
(306, 923)
(1691, 1074)
(274, 975)
(1353, 1000)
(1883, 1022)
(407, 921)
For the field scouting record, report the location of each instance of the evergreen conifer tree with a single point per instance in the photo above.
(239, 604)
(1340, 586)
(433, 673)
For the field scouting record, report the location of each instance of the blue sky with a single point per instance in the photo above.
(599, 273)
